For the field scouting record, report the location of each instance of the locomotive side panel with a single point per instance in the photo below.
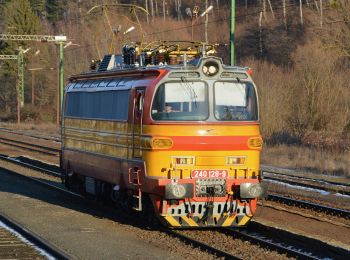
(96, 131)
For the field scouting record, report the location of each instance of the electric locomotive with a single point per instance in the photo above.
(167, 128)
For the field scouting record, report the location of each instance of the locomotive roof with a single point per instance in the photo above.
(122, 79)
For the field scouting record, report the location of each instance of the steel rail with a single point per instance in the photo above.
(49, 138)
(307, 185)
(309, 205)
(288, 250)
(30, 146)
(30, 166)
(285, 242)
(267, 169)
(35, 239)
(217, 252)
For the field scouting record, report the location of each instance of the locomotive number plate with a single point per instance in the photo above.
(209, 174)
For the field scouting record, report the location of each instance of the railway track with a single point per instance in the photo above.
(259, 239)
(277, 240)
(309, 205)
(268, 170)
(25, 133)
(30, 146)
(282, 241)
(203, 246)
(17, 242)
(305, 182)
(55, 171)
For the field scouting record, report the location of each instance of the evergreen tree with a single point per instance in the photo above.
(20, 18)
(55, 9)
(38, 6)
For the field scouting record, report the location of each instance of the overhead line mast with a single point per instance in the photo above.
(60, 39)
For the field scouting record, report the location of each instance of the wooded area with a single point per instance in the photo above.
(299, 51)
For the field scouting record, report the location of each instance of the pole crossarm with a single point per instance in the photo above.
(39, 38)
(8, 57)
(118, 5)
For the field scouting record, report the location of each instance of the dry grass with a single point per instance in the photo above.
(45, 128)
(317, 161)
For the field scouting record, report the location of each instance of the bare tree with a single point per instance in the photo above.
(164, 13)
(273, 13)
(152, 9)
(146, 5)
(301, 11)
(316, 4)
(264, 8)
(284, 14)
(156, 3)
(176, 8)
(321, 13)
(260, 32)
(179, 4)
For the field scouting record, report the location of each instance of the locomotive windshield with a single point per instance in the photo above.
(189, 101)
(181, 101)
(235, 101)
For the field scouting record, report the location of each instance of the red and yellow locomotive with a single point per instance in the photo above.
(184, 137)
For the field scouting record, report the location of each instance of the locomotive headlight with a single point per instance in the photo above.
(205, 69)
(253, 190)
(178, 191)
(210, 68)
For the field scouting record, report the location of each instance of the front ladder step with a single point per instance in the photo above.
(134, 180)
(137, 200)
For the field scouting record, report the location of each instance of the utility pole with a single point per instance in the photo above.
(206, 22)
(61, 75)
(205, 13)
(21, 75)
(232, 33)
